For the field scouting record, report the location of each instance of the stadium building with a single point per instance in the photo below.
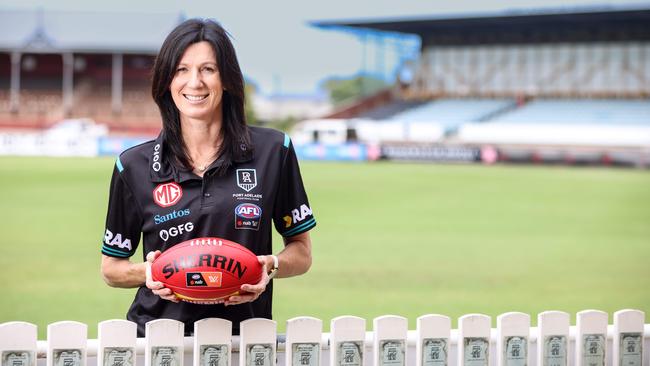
(50, 70)
(556, 86)
(565, 85)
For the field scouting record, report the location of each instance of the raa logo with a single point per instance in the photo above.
(297, 215)
(116, 240)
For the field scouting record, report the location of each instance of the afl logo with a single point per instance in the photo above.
(167, 194)
(248, 211)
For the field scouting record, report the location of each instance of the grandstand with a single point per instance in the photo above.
(451, 113)
(580, 111)
(49, 70)
(546, 82)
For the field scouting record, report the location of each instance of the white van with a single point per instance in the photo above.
(339, 131)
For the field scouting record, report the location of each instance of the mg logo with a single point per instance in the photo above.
(167, 194)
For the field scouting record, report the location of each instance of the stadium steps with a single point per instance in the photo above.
(501, 111)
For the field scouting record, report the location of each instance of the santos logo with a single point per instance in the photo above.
(159, 219)
(116, 240)
(248, 211)
(167, 194)
(174, 231)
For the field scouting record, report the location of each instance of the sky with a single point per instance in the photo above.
(283, 54)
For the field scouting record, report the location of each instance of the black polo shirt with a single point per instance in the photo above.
(151, 197)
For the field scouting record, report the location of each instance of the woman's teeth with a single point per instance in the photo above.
(194, 98)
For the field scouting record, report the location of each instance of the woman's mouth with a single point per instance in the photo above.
(195, 98)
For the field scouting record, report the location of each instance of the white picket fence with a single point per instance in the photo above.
(591, 342)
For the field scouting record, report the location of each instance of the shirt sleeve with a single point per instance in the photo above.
(123, 219)
(292, 214)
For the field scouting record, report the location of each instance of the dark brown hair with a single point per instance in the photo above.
(234, 130)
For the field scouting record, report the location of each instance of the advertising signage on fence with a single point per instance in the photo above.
(342, 152)
(113, 146)
(427, 152)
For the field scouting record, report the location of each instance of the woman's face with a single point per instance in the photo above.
(196, 87)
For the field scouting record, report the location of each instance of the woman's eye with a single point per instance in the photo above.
(209, 69)
(181, 69)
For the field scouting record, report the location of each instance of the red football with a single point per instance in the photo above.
(206, 269)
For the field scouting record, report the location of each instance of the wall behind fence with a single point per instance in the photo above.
(554, 342)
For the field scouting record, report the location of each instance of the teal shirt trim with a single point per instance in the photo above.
(287, 140)
(114, 252)
(118, 163)
(301, 228)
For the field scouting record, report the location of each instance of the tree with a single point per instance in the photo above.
(342, 90)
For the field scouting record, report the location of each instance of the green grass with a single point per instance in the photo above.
(403, 239)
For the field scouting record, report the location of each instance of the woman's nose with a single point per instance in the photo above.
(195, 79)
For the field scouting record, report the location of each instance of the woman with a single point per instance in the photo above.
(193, 180)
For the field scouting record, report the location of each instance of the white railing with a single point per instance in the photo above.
(554, 342)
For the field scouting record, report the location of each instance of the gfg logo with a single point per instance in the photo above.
(167, 194)
(174, 231)
(248, 211)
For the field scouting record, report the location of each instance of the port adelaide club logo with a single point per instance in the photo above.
(246, 179)
(167, 194)
(248, 216)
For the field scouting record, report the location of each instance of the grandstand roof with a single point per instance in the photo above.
(590, 24)
(92, 32)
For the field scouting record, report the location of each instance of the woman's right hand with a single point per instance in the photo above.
(157, 287)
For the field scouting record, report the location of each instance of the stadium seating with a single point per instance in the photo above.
(41, 105)
(607, 122)
(451, 113)
(580, 111)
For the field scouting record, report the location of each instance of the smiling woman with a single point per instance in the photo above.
(207, 174)
(196, 88)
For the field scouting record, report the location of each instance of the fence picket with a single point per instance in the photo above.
(212, 342)
(591, 338)
(553, 338)
(513, 335)
(116, 343)
(164, 343)
(18, 344)
(347, 341)
(391, 332)
(474, 340)
(432, 347)
(66, 344)
(257, 343)
(627, 341)
(303, 345)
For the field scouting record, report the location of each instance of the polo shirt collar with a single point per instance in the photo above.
(162, 170)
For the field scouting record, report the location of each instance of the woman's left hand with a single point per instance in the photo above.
(248, 292)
